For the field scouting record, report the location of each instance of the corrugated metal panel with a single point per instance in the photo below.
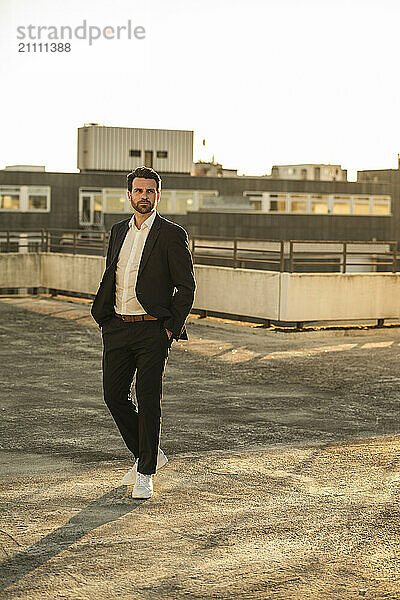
(107, 148)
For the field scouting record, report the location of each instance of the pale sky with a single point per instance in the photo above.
(263, 81)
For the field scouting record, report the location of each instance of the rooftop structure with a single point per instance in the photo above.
(212, 169)
(103, 148)
(313, 172)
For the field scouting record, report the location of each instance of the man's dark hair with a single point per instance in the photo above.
(145, 173)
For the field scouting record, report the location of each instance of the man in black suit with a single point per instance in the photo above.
(142, 303)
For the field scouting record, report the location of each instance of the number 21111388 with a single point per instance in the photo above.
(44, 47)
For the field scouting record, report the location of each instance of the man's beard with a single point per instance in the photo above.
(143, 208)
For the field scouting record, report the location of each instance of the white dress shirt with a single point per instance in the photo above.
(126, 302)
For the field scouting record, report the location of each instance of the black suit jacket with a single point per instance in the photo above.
(165, 283)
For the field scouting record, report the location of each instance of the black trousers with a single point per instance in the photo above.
(139, 347)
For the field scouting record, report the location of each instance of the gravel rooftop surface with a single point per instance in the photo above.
(283, 480)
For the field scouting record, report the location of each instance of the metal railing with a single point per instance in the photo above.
(237, 252)
(287, 256)
(389, 254)
(71, 241)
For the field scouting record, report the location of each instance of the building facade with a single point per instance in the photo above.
(252, 207)
(123, 149)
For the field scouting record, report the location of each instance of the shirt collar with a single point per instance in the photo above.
(148, 222)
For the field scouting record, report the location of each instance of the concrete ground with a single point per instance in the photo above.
(283, 480)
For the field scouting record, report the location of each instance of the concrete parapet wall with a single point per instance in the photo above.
(20, 270)
(337, 296)
(68, 272)
(245, 292)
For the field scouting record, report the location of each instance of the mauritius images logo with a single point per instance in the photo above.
(84, 31)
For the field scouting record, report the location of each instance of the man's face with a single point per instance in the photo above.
(144, 196)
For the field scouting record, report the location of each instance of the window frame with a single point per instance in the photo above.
(24, 192)
(13, 191)
(328, 199)
(90, 191)
(378, 201)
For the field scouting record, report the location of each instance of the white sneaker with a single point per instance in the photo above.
(130, 477)
(143, 487)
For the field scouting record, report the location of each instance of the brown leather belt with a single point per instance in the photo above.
(136, 317)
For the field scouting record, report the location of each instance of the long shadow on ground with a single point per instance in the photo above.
(106, 509)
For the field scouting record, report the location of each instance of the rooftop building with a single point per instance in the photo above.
(312, 172)
(108, 149)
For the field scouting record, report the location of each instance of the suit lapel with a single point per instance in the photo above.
(119, 239)
(150, 241)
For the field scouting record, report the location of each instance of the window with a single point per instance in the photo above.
(208, 198)
(25, 198)
(162, 154)
(341, 208)
(9, 198)
(90, 207)
(85, 212)
(98, 209)
(298, 203)
(165, 204)
(183, 201)
(380, 207)
(319, 208)
(317, 172)
(135, 153)
(180, 201)
(298, 206)
(254, 199)
(304, 173)
(114, 200)
(255, 204)
(360, 207)
(36, 202)
(37, 198)
(319, 204)
(277, 205)
(341, 205)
